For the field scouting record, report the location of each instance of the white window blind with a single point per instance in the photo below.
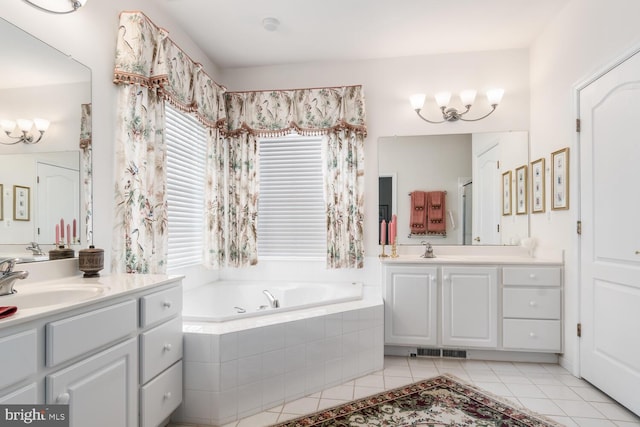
(291, 207)
(186, 152)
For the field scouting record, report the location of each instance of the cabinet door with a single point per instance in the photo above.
(410, 307)
(469, 306)
(102, 390)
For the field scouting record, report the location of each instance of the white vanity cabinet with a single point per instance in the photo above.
(411, 305)
(481, 306)
(532, 308)
(470, 307)
(116, 362)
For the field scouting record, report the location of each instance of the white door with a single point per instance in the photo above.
(58, 198)
(410, 305)
(486, 198)
(610, 241)
(470, 306)
(102, 391)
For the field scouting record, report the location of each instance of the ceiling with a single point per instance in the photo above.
(230, 32)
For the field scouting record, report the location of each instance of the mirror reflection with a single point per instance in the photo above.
(49, 180)
(467, 170)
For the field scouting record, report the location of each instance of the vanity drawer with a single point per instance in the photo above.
(542, 303)
(531, 276)
(160, 347)
(160, 306)
(74, 336)
(161, 397)
(18, 357)
(520, 334)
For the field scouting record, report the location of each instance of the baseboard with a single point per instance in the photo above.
(493, 355)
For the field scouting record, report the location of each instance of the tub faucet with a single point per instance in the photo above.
(428, 250)
(35, 248)
(8, 276)
(272, 300)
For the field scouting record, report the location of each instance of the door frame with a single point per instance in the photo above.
(577, 172)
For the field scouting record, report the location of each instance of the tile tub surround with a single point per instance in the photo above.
(236, 373)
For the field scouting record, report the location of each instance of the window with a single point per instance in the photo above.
(186, 152)
(291, 207)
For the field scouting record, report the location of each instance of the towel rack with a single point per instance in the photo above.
(444, 192)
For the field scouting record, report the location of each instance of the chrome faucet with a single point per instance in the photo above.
(272, 300)
(8, 276)
(428, 250)
(35, 248)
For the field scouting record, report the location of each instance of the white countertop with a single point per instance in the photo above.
(107, 287)
(468, 259)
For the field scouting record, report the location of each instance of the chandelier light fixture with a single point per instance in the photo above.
(24, 129)
(451, 114)
(73, 4)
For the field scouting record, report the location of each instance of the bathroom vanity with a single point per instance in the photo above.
(461, 304)
(115, 356)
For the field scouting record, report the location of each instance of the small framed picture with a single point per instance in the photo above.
(537, 186)
(1, 202)
(560, 179)
(506, 193)
(21, 203)
(521, 190)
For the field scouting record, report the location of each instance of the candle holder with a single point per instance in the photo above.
(394, 251)
(383, 255)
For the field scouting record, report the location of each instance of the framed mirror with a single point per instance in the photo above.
(38, 81)
(467, 169)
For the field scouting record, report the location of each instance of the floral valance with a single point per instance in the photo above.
(316, 111)
(145, 55)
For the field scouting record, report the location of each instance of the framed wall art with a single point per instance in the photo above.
(21, 203)
(521, 190)
(560, 179)
(506, 193)
(537, 186)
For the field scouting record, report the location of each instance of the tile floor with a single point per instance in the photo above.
(545, 388)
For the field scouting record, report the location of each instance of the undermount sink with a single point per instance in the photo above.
(50, 295)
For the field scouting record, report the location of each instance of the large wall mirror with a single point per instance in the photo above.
(49, 181)
(469, 168)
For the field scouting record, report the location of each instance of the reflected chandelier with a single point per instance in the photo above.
(24, 126)
(451, 114)
(75, 5)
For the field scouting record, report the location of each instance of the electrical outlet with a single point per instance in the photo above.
(7, 223)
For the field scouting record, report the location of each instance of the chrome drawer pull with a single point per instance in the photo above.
(167, 395)
(532, 304)
(167, 347)
(63, 399)
(166, 304)
(532, 334)
(532, 276)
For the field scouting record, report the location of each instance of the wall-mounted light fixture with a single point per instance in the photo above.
(451, 114)
(74, 4)
(24, 127)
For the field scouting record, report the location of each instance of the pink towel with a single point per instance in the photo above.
(6, 311)
(436, 219)
(418, 220)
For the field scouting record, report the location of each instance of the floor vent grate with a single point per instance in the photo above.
(433, 352)
(460, 354)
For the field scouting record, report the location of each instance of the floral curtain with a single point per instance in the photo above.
(339, 114)
(86, 154)
(150, 70)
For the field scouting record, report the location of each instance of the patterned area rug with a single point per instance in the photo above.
(437, 402)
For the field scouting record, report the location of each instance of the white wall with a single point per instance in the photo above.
(586, 36)
(388, 83)
(89, 36)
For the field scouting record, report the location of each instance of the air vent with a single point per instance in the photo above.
(460, 354)
(433, 352)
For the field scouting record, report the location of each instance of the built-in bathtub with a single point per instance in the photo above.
(240, 363)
